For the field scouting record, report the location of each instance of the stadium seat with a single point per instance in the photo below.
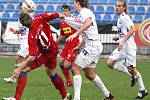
(13, 1)
(133, 2)
(140, 10)
(42, 1)
(36, 1)
(70, 1)
(53, 1)
(15, 16)
(50, 8)
(1, 7)
(147, 16)
(99, 10)
(112, 2)
(62, 1)
(93, 1)
(98, 18)
(10, 8)
(131, 10)
(39, 9)
(143, 2)
(138, 19)
(110, 10)
(18, 8)
(58, 9)
(3, 1)
(102, 1)
(21, 0)
(5, 16)
(92, 8)
(148, 11)
(115, 18)
(106, 19)
(71, 9)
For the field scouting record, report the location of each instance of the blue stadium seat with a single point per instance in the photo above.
(98, 18)
(140, 10)
(103, 2)
(99, 10)
(39, 9)
(15, 16)
(93, 1)
(53, 1)
(131, 10)
(112, 2)
(71, 9)
(21, 1)
(13, 1)
(42, 1)
(62, 1)
(92, 8)
(58, 9)
(138, 19)
(147, 16)
(110, 10)
(143, 2)
(1, 7)
(5, 16)
(115, 19)
(3, 1)
(18, 8)
(70, 1)
(36, 1)
(106, 18)
(133, 2)
(10, 8)
(50, 8)
(148, 11)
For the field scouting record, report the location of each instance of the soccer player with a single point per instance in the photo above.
(89, 55)
(23, 49)
(67, 56)
(42, 50)
(123, 58)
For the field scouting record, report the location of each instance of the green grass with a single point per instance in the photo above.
(39, 86)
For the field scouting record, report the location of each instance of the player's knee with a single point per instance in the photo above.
(132, 70)
(90, 76)
(109, 64)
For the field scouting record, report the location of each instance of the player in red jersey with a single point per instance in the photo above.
(42, 50)
(67, 56)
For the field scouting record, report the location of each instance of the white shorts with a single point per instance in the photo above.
(23, 50)
(89, 55)
(127, 57)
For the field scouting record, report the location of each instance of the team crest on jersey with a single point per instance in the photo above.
(144, 31)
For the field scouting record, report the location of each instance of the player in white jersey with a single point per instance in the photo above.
(23, 49)
(123, 58)
(89, 55)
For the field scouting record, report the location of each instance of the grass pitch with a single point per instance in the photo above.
(39, 86)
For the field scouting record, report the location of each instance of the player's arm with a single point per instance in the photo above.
(14, 31)
(59, 38)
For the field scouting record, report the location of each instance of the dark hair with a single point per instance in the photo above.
(65, 7)
(83, 3)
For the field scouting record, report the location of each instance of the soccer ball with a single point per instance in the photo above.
(29, 6)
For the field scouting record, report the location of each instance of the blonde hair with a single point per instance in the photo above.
(124, 5)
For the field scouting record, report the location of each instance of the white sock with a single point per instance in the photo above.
(77, 86)
(121, 67)
(98, 82)
(140, 81)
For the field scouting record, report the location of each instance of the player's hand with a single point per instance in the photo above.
(76, 49)
(71, 37)
(16, 72)
(114, 28)
(115, 38)
(121, 45)
(11, 30)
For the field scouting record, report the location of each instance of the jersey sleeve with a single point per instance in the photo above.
(129, 23)
(48, 18)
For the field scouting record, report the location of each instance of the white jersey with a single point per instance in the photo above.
(124, 24)
(23, 30)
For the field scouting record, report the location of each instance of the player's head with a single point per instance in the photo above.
(81, 4)
(121, 6)
(66, 10)
(25, 18)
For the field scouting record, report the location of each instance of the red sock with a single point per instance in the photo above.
(22, 80)
(66, 74)
(59, 85)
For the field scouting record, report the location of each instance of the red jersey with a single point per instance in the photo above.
(66, 31)
(40, 37)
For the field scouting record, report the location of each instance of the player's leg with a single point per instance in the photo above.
(113, 63)
(90, 74)
(64, 68)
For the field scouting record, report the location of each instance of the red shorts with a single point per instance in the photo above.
(67, 54)
(48, 59)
